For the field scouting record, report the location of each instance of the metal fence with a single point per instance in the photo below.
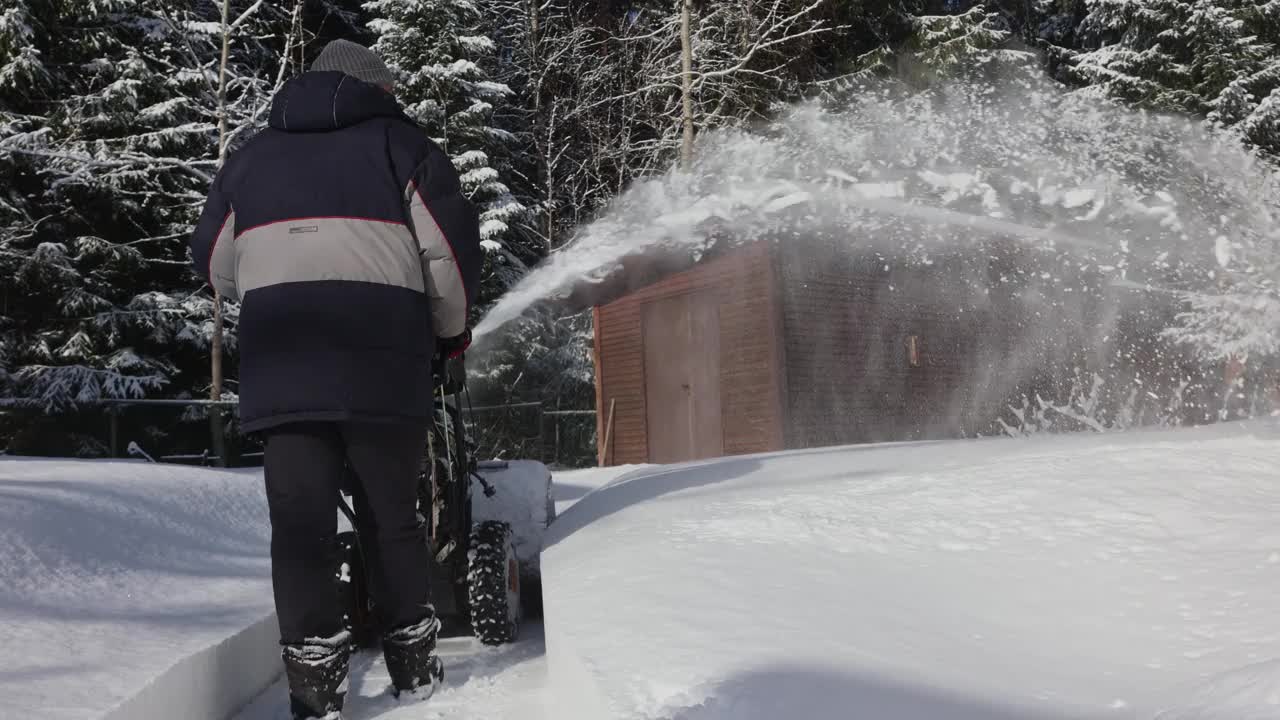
(183, 430)
(557, 437)
(206, 432)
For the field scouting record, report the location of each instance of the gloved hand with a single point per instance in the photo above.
(454, 347)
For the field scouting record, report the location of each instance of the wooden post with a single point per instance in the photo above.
(599, 379)
(608, 434)
(113, 420)
(542, 438)
(686, 62)
(217, 436)
(222, 82)
(555, 432)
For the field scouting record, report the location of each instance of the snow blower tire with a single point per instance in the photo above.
(493, 584)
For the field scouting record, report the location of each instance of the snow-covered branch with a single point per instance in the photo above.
(245, 16)
(132, 161)
(771, 32)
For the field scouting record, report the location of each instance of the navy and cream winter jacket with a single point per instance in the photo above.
(343, 231)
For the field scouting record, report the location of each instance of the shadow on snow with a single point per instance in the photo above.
(815, 693)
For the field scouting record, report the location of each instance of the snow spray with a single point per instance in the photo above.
(1147, 198)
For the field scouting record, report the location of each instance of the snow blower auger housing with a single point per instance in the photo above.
(481, 521)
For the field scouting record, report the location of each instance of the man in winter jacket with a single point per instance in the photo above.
(343, 232)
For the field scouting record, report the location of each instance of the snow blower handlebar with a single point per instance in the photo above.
(473, 570)
(449, 367)
(450, 374)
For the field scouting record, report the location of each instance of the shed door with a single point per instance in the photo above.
(682, 378)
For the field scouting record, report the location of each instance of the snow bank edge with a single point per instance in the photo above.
(213, 684)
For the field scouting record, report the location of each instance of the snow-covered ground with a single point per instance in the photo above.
(132, 591)
(122, 583)
(1115, 576)
(1126, 576)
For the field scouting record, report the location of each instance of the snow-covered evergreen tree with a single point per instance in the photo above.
(923, 47)
(438, 50)
(22, 73)
(1250, 103)
(1216, 58)
(108, 141)
(946, 43)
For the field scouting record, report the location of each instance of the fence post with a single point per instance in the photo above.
(113, 424)
(603, 449)
(542, 436)
(218, 437)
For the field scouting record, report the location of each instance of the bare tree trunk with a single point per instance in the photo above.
(215, 388)
(686, 61)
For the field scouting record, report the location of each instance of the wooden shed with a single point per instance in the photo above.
(783, 345)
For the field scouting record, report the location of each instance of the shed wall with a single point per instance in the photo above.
(743, 285)
(876, 352)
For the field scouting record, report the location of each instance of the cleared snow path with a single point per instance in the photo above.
(1113, 576)
(131, 587)
(506, 683)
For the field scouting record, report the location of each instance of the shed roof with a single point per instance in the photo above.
(654, 263)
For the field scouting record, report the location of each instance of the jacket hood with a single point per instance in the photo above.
(329, 100)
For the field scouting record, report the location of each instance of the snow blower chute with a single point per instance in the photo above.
(482, 522)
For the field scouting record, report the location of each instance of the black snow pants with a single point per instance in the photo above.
(305, 467)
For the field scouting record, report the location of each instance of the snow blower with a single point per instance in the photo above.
(484, 546)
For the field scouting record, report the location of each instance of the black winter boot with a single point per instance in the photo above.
(317, 673)
(411, 657)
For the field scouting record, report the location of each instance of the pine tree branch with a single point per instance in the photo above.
(133, 161)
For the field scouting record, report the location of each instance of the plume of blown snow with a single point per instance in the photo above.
(1134, 193)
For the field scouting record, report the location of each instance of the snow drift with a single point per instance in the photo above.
(1120, 576)
(131, 590)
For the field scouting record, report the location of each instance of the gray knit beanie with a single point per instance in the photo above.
(355, 60)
